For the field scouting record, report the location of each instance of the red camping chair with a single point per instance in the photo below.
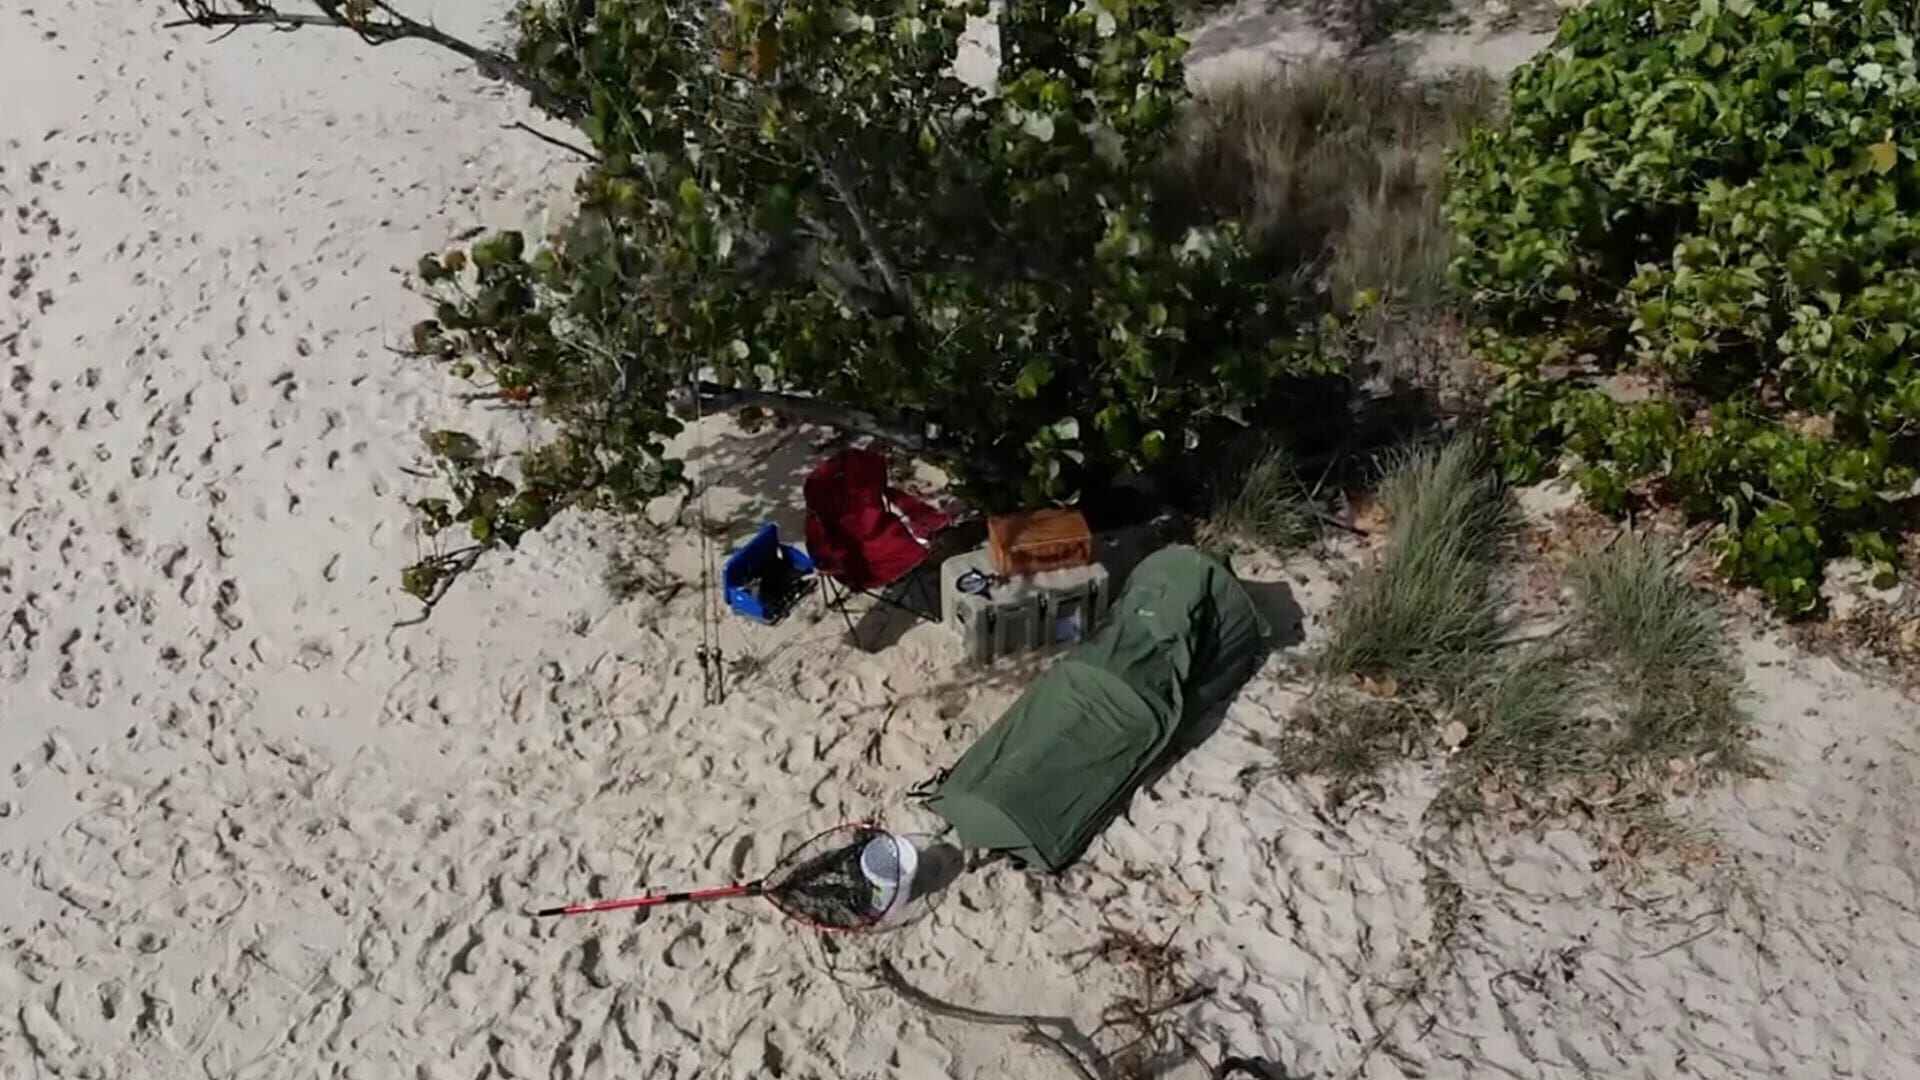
(866, 537)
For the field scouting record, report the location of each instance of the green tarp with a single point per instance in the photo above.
(1047, 777)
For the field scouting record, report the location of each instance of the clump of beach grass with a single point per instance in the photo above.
(1674, 675)
(1427, 613)
(1259, 499)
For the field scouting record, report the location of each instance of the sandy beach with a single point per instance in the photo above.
(249, 828)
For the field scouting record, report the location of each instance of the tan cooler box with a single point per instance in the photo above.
(1019, 615)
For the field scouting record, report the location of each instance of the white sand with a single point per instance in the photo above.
(250, 831)
(1253, 37)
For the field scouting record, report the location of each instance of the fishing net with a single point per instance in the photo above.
(824, 883)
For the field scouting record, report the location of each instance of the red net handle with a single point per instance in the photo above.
(752, 888)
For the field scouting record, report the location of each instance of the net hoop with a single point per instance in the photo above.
(826, 882)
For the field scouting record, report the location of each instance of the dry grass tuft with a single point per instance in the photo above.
(1427, 613)
(1258, 499)
(1643, 694)
(1525, 716)
(1348, 737)
(1664, 642)
(1337, 170)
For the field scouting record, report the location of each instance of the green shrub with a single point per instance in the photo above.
(1724, 195)
(798, 207)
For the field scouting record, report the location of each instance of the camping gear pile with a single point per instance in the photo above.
(1033, 586)
(864, 537)
(1043, 781)
(1053, 771)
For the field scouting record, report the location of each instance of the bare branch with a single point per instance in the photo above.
(715, 398)
(563, 144)
(897, 285)
(372, 21)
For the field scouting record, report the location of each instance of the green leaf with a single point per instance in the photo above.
(499, 249)
(455, 446)
(1153, 445)
(419, 580)
(1034, 376)
(1884, 156)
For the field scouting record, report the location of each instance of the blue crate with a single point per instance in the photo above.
(754, 564)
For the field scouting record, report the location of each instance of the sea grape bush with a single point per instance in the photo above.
(800, 197)
(1723, 195)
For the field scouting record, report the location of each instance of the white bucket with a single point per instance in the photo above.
(888, 861)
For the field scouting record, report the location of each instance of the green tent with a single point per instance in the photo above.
(1043, 780)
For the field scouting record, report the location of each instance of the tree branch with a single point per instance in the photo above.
(714, 398)
(374, 22)
(839, 277)
(522, 125)
(898, 287)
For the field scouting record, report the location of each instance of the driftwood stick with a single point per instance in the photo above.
(1034, 1032)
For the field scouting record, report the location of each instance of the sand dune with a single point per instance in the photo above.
(252, 830)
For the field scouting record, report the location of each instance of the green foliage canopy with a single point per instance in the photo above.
(1725, 194)
(800, 197)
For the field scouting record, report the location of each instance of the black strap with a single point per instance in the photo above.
(925, 788)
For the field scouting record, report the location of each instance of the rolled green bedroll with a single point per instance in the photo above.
(1044, 780)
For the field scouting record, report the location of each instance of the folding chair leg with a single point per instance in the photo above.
(837, 598)
(929, 586)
